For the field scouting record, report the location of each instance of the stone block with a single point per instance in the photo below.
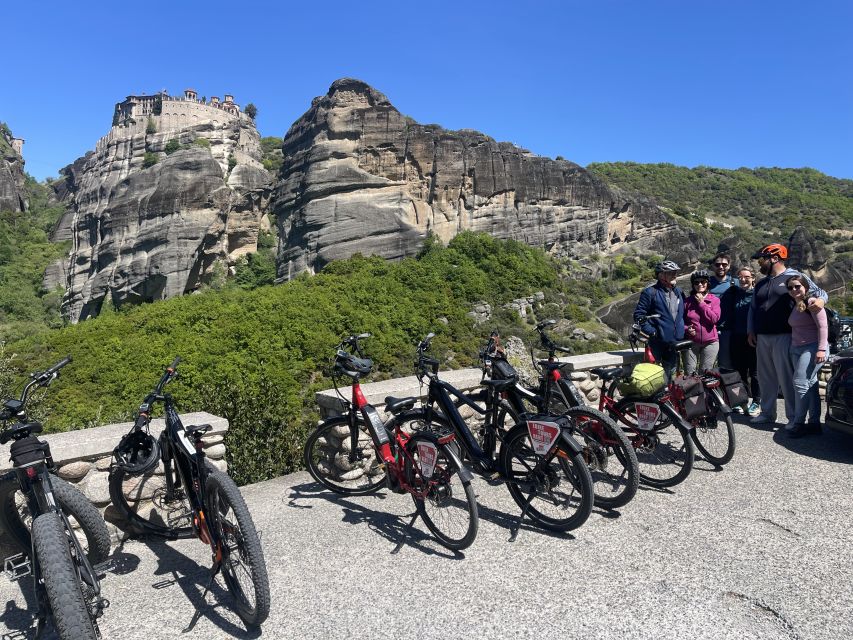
(74, 471)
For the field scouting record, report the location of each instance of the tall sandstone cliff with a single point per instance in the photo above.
(12, 197)
(143, 231)
(358, 176)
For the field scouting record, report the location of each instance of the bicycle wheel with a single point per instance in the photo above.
(146, 506)
(445, 502)
(61, 579)
(327, 458)
(609, 455)
(664, 453)
(85, 519)
(243, 565)
(559, 492)
(714, 434)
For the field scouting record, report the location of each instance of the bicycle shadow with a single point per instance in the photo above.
(18, 621)
(192, 578)
(394, 528)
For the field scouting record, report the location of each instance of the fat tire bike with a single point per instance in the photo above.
(36, 509)
(167, 488)
(358, 454)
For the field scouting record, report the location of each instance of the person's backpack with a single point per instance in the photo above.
(833, 320)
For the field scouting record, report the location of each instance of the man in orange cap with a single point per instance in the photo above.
(770, 333)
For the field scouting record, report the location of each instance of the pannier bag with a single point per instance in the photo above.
(736, 394)
(645, 380)
(502, 370)
(694, 396)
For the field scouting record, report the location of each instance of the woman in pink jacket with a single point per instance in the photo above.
(701, 314)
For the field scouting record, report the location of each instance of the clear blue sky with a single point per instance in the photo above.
(722, 83)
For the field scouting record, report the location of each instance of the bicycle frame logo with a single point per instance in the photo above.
(428, 455)
(543, 435)
(647, 415)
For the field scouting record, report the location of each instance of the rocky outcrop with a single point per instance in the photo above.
(12, 196)
(812, 257)
(358, 176)
(157, 205)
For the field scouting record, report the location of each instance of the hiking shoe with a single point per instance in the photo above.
(738, 409)
(762, 419)
(753, 409)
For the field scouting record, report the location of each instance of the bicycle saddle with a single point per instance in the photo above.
(608, 374)
(20, 430)
(398, 405)
(682, 345)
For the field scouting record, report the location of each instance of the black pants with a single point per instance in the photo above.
(743, 359)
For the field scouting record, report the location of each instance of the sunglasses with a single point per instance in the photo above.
(721, 264)
(795, 286)
(705, 282)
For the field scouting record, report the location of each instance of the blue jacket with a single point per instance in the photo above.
(663, 329)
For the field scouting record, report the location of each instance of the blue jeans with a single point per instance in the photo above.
(806, 398)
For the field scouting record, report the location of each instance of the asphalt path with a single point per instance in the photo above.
(762, 549)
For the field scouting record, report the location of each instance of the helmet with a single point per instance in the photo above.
(701, 274)
(137, 452)
(666, 265)
(775, 249)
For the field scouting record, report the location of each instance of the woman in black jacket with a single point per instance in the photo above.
(735, 312)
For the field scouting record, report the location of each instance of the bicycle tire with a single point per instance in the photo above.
(61, 579)
(610, 456)
(658, 449)
(449, 508)
(228, 514)
(326, 458)
(716, 445)
(15, 518)
(566, 472)
(146, 508)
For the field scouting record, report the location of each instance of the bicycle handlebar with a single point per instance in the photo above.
(352, 343)
(423, 360)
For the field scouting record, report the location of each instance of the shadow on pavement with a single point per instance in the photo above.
(829, 445)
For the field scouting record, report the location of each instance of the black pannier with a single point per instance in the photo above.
(502, 370)
(694, 396)
(736, 393)
(28, 450)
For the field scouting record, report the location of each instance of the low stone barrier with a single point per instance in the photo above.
(83, 458)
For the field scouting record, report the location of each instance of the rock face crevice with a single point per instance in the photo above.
(146, 224)
(12, 195)
(358, 176)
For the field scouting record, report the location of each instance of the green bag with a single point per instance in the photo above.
(645, 380)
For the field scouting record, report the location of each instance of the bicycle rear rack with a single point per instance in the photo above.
(17, 567)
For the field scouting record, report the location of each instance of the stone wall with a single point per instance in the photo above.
(83, 458)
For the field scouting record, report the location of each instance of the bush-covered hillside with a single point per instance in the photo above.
(25, 252)
(258, 356)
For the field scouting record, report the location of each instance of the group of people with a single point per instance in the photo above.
(774, 332)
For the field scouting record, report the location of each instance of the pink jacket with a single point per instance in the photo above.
(702, 316)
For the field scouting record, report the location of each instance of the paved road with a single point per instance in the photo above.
(760, 550)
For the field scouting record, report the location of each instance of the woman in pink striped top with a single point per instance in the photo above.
(809, 337)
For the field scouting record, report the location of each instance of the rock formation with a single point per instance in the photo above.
(159, 202)
(811, 257)
(12, 197)
(358, 176)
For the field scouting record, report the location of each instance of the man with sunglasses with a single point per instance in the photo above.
(770, 332)
(722, 281)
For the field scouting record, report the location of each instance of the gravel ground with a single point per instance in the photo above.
(762, 549)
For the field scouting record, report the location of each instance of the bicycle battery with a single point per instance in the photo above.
(377, 428)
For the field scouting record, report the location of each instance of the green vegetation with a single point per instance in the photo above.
(151, 127)
(25, 252)
(257, 356)
(150, 159)
(202, 142)
(232, 162)
(273, 159)
(251, 110)
(172, 146)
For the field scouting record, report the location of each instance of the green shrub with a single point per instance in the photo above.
(150, 159)
(172, 146)
(151, 127)
(202, 142)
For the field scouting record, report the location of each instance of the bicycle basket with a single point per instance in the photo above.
(645, 380)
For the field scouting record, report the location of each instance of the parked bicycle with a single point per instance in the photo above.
(700, 400)
(189, 497)
(607, 451)
(37, 510)
(539, 460)
(357, 453)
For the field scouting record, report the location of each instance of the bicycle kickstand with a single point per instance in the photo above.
(215, 569)
(515, 527)
(405, 534)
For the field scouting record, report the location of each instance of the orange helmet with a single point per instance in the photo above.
(775, 249)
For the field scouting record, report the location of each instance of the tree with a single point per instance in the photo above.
(151, 127)
(251, 110)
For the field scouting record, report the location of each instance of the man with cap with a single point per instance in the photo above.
(769, 331)
(666, 300)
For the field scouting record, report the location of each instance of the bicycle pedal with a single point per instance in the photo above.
(17, 567)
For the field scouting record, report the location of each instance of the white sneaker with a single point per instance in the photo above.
(762, 419)
(738, 409)
(754, 409)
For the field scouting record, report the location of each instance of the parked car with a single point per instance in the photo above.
(839, 392)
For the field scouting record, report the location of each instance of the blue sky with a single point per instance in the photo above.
(724, 84)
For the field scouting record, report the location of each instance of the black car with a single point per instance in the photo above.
(839, 393)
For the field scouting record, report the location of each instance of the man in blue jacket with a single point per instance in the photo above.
(666, 300)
